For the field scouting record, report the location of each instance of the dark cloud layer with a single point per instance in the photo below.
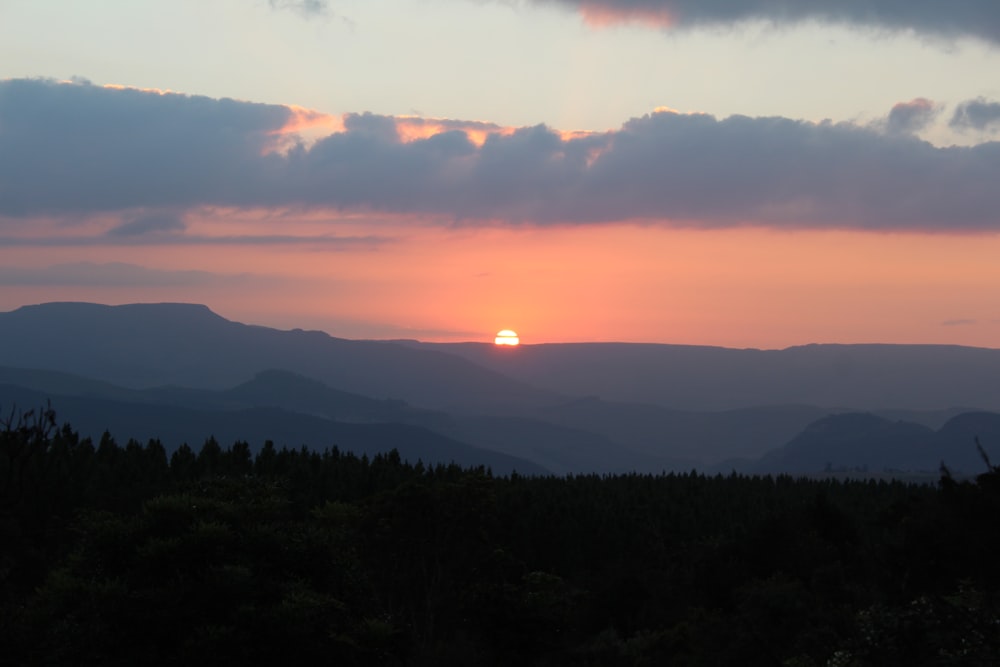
(73, 146)
(68, 149)
(977, 114)
(113, 274)
(149, 223)
(948, 18)
(912, 116)
(328, 242)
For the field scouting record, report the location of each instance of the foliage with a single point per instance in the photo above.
(114, 552)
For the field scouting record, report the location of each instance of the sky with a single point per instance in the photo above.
(744, 173)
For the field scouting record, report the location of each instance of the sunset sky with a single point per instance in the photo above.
(746, 173)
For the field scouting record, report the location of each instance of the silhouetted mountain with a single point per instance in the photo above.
(174, 425)
(956, 440)
(57, 382)
(854, 441)
(933, 419)
(146, 345)
(702, 437)
(554, 448)
(867, 377)
(561, 449)
(867, 443)
(290, 391)
(272, 388)
(690, 406)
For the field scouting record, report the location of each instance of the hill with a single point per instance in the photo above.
(601, 407)
(174, 425)
(866, 443)
(148, 345)
(688, 377)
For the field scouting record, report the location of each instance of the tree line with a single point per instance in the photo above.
(112, 553)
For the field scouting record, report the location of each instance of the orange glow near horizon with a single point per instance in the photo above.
(745, 287)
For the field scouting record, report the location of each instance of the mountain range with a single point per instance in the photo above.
(181, 373)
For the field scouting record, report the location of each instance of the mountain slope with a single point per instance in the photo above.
(688, 377)
(561, 449)
(556, 448)
(856, 441)
(145, 345)
(174, 425)
(868, 443)
(703, 437)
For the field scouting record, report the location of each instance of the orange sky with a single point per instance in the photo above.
(737, 287)
(309, 171)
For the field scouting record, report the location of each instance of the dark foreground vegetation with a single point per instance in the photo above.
(121, 555)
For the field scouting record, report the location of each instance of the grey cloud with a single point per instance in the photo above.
(150, 223)
(690, 168)
(307, 8)
(978, 114)
(380, 127)
(954, 18)
(913, 116)
(684, 169)
(113, 274)
(958, 323)
(327, 242)
(101, 149)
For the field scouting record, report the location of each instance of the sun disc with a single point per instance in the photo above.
(507, 337)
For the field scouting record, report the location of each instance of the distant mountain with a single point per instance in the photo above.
(297, 393)
(933, 419)
(855, 441)
(598, 407)
(174, 425)
(177, 414)
(687, 377)
(693, 436)
(271, 388)
(862, 442)
(562, 449)
(957, 437)
(148, 345)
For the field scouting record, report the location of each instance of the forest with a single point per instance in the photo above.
(112, 553)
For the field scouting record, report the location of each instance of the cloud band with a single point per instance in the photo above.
(75, 149)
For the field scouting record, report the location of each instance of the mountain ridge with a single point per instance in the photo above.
(862, 376)
(559, 403)
(149, 345)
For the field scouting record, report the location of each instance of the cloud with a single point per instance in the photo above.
(328, 242)
(978, 114)
(959, 323)
(114, 274)
(306, 8)
(149, 223)
(74, 150)
(911, 117)
(122, 147)
(955, 18)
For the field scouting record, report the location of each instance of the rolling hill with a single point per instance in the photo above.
(180, 372)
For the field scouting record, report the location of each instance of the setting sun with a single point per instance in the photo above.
(507, 337)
